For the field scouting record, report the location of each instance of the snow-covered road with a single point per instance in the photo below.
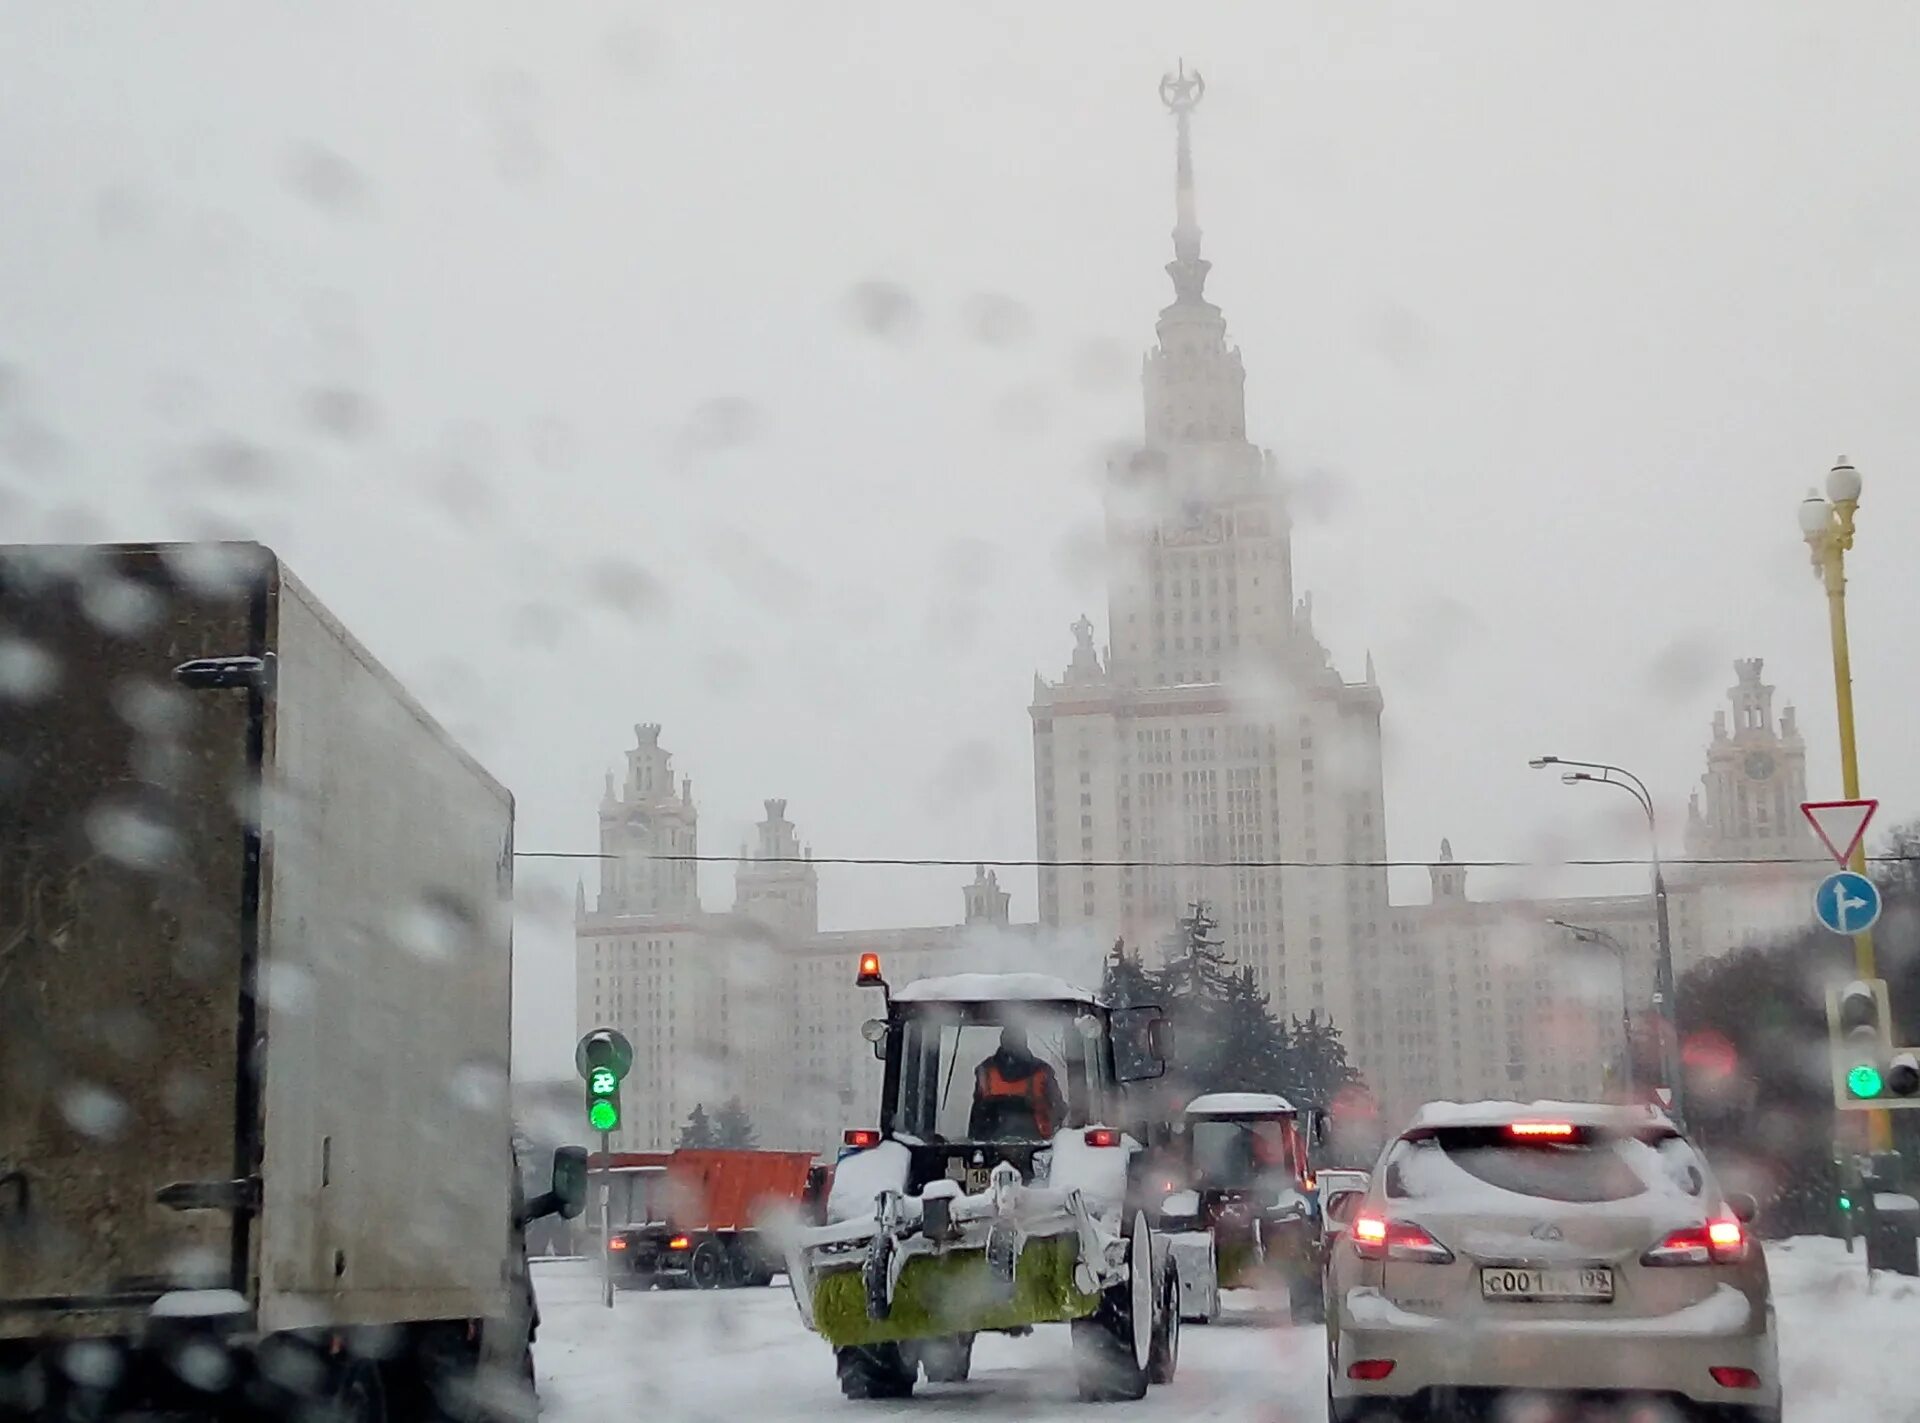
(740, 1356)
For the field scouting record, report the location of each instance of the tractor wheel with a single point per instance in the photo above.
(1113, 1346)
(1164, 1359)
(948, 1359)
(874, 1371)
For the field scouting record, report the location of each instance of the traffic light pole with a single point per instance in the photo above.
(606, 1218)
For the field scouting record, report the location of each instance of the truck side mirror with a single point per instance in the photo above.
(568, 1197)
(1744, 1207)
(1342, 1204)
(874, 1030)
(1319, 1128)
(1142, 1043)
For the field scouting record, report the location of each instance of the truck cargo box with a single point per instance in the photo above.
(255, 958)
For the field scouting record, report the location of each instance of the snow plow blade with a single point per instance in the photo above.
(955, 1293)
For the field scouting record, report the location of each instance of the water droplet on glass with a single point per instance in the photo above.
(203, 1365)
(327, 180)
(625, 587)
(183, 1093)
(288, 988)
(479, 1086)
(133, 834)
(152, 708)
(341, 412)
(120, 606)
(92, 1363)
(994, 319)
(93, 1111)
(883, 309)
(430, 929)
(27, 670)
(215, 568)
(722, 422)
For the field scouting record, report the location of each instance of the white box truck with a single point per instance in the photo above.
(255, 992)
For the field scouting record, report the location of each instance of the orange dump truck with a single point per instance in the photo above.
(698, 1216)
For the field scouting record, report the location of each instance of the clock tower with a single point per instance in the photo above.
(649, 832)
(1748, 807)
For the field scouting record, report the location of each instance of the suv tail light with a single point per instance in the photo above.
(1377, 1239)
(861, 1138)
(1722, 1241)
(1102, 1136)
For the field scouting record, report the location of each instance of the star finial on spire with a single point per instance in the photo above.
(1181, 92)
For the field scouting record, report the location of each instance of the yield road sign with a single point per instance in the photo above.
(1847, 903)
(1839, 823)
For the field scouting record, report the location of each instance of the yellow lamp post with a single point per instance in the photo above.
(1827, 524)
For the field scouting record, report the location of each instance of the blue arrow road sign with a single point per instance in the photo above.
(1847, 903)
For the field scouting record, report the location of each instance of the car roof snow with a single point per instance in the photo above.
(1618, 1115)
(1236, 1104)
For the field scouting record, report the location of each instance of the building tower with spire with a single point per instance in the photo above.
(1215, 738)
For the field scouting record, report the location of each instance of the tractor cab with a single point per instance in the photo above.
(984, 1068)
(1250, 1168)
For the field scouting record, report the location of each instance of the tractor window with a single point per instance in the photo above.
(959, 1081)
(1245, 1153)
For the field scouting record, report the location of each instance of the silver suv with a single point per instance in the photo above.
(1559, 1248)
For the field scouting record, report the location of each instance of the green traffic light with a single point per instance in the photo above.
(1846, 1203)
(1863, 1080)
(603, 1116)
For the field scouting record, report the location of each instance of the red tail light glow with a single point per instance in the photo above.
(1729, 1377)
(1378, 1239)
(1369, 1370)
(619, 1242)
(679, 1242)
(1542, 1131)
(861, 1138)
(1102, 1136)
(1719, 1242)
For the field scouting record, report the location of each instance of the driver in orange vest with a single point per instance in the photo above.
(1015, 1094)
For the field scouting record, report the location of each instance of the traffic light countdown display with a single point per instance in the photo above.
(604, 1057)
(1869, 1072)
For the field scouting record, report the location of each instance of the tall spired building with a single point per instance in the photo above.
(1213, 737)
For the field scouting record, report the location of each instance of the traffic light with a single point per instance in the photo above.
(1868, 1070)
(604, 1057)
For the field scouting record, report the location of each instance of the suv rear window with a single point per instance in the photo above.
(1586, 1168)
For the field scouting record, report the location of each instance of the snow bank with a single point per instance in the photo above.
(1225, 1104)
(993, 987)
(864, 1175)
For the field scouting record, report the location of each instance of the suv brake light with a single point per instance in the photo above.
(1718, 1242)
(861, 1138)
(1378, 1239)
(1102, 1136)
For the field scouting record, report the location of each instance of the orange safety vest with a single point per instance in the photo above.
(990, 1084)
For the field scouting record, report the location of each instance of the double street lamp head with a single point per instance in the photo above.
(1817, 512)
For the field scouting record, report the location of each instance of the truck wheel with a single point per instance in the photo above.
(1165, 1358)
(709, 1267)
(1112, 1347)
(874, 1371)
(948, 1359)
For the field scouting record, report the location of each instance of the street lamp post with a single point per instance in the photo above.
(1827, 526)
(1599, 773)
(1600, 936)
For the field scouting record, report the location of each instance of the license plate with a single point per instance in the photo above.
(977, 1178)
(1588, 1284)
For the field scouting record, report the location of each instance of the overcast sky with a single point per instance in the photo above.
(747, 368)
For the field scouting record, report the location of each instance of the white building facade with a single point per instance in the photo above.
(1214, 727)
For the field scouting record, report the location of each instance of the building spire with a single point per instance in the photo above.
(1181, 92)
